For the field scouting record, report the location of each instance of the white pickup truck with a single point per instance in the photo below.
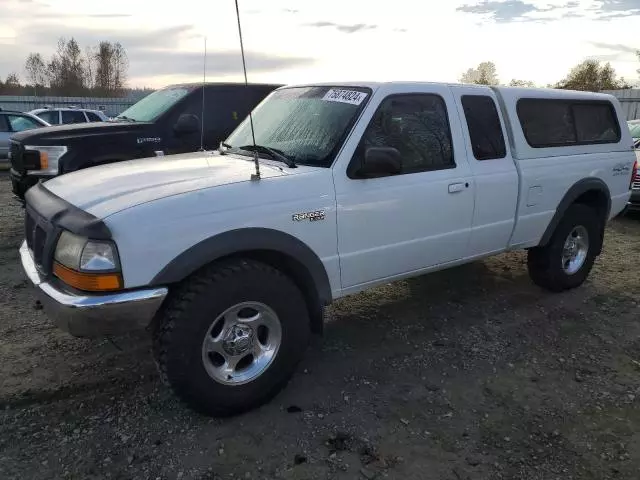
(229, 257)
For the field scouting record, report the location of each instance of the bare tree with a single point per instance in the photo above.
(72, 70)
(12, 80)
(36, 71)
(102, 57)
(55, 67)
(75, 65)
(67, 68)
(484, 74)
(120, 66)
(12, 84)
(89, 70)
(111, 67)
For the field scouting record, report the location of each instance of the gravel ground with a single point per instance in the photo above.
(471, 373)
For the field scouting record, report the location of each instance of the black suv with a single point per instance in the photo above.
(167, 121)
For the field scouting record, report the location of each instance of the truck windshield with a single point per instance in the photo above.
(635, 129)
(154, 104)
(306, 124)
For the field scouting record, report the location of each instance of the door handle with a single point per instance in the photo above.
(457, 187)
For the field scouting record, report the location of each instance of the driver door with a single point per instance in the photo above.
(395, 225)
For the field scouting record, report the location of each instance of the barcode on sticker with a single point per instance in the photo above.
(345, 96)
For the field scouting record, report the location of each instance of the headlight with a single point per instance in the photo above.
(98, 256)
(90, 265)
(48, 157)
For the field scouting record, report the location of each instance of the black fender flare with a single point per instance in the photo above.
(575, 191)
(241, 240)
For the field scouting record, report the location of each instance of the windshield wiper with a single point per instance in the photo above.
(273, 152)
(124, 117)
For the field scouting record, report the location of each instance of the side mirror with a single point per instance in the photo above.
(187, 123)
(380, 162)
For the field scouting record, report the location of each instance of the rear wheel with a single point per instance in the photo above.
(231, 337)
(565, 262)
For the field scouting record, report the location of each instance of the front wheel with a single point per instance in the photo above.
(565, 262)
(231, 336)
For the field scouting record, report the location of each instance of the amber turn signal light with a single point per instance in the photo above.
(44, 160)
(89, 282)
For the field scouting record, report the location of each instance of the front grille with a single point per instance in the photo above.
(17, 161)
(36, 237)
(29, 225)
(635, 182)
(23, 160)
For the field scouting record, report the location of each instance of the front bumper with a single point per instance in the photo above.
(84, 315)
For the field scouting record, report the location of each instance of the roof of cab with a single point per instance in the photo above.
(221, 84)
(556, 93)
(508, 91)
(371, 85)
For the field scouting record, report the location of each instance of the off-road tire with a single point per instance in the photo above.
(193, 306)
(545, 263)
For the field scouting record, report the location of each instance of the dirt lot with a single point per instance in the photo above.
(471, 373)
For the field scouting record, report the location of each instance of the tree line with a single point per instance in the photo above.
(99, 70)
(591, 76)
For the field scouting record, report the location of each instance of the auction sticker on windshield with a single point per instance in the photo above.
(353, 97)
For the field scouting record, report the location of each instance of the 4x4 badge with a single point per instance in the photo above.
(621, 169)
(311, 216)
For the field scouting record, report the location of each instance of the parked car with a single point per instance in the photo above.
(66, 116)
(230, 264)
(634, 128)
(13, 122)
(166, 121)
(634, 201)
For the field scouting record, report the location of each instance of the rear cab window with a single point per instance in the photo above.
(566, 122)
(485, 130)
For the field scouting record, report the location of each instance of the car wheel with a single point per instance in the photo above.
(565, 262)
(231, 336)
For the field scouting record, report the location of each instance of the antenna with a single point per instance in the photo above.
(204, 79)
(255, 176)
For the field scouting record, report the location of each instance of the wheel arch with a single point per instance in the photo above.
(592, 192)
(275, 248)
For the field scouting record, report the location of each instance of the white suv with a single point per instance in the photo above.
(63, 116)
(229, 257)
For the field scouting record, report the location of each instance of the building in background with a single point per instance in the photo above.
(630, 101)
(110, 106)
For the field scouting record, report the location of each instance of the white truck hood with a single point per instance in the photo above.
(107, 189)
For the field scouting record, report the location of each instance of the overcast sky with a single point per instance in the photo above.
(291, 41)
